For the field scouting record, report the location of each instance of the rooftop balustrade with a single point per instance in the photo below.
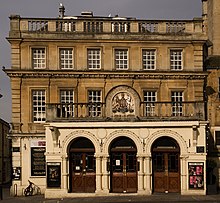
(105, 25)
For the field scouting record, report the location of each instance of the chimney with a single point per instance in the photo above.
(61, 10)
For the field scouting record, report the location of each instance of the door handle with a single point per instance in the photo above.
(124, 171)
(84, 172)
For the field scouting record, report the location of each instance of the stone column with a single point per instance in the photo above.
(183, 172)
(141, 175)
(98, 173)
(148, 175)
(65, 172)
(105, 176)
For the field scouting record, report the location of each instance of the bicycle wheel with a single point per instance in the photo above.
(26, 192)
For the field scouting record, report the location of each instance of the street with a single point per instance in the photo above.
(166, 198)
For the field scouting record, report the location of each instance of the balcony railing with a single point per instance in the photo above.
(147, 111)
(105, 25)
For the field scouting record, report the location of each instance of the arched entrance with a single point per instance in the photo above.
(166, 165)
(82, 166)
(123, 166)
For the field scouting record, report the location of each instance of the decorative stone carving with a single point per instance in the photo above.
(122, 103)
(101, 133)
(55, 135)
(195, 135)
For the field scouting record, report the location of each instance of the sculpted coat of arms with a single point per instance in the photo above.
(122, 103)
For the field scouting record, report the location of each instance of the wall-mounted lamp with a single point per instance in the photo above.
(25, 146)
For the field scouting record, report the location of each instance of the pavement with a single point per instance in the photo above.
(121, 198)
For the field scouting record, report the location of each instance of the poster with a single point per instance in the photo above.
(196, 175)
(16, 173)
(38, 162)
(53, 174)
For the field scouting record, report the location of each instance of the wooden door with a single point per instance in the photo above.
(83, 172)
(123, 172)
(166, 172)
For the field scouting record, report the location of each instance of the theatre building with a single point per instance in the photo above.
(104, 105)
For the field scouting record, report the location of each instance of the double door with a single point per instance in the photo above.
(83, 172)
(123, 172)
(166, 172)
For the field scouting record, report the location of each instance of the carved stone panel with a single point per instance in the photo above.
(122, 102)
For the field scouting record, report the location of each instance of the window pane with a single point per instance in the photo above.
(39, 105)
(150, 97)
(177, 106)
(94, 58)
(217, 137)
(66, 58)
(121, 59)
(176, 59)
(219, 88)
(149, 59)
(94, 100)
(38, 58)
(67, 106)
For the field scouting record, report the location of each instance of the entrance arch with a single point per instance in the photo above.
(166, 165)
(82, 165)
(123, 165)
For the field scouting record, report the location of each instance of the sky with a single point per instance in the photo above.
(140, 9)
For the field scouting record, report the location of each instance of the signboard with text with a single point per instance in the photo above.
(38, 161)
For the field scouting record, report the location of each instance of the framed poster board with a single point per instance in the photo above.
(53, 174)
(196, 175)
(38, 162)
(16, 173)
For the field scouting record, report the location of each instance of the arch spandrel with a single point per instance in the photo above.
(123, 133)
(168, 133)
(81, 133)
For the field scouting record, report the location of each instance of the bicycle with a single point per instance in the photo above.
(31, 189)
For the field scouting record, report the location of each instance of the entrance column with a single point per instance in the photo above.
(105, 174)
(183, 172)
(65, 172)
(98, 174)
(148, 175)
(141, 175)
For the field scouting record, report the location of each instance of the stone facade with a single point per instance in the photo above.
(92, 98)
(211, 16)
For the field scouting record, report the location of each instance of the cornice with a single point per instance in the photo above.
(53, 74)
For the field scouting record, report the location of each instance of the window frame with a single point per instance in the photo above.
(93, 59)
(122, 60)
(38, 67)
(94, 110)
(42, 118)
(176, 67)
(177, 106)
(66, 59)
(217, 140)
(67, 105)
(148, 66)
(150, 105)
(219, 88)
